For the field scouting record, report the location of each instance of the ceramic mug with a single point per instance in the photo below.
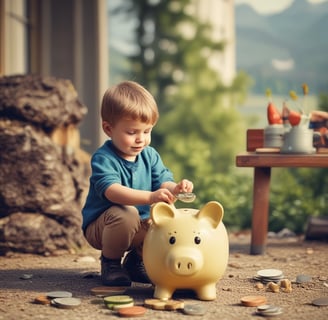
(299, 139)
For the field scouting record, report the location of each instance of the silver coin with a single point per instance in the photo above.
(303, 278)
(59, 294)
(194, 309)
(270, 273)
(320, 301)
(268, 310)
(186, 196)
(66, 303)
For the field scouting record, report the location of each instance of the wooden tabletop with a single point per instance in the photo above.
(253, 159)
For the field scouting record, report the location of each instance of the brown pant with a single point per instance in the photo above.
(116, 231)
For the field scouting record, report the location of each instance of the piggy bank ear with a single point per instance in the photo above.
(160, 212)
(212, 211)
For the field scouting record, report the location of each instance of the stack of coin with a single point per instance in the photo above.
(117, 302)
(269, 275)
(268, 310)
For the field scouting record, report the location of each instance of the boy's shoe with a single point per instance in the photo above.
(134, 265)
(113, 274)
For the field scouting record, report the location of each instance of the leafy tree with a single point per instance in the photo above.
(200, 131)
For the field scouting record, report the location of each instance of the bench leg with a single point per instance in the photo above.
(260, 216)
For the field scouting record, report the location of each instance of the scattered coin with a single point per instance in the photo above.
(42, 300)
(156, 304)
(59, 294)
(129, 312)
(303, 278)
(268, 310)
(194, 309)
(119, 299)
(320, 302)
(174, 305)
(169, 305)
(107, 291)
(66, 303)
(120, 306)
(253, 301)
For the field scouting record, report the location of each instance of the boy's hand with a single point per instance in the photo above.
(162, 194)
(183, 186)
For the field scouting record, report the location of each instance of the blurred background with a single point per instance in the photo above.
(207, 62)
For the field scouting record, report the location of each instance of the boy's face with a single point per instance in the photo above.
(129, 137)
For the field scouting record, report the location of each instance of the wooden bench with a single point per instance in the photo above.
(262, 164)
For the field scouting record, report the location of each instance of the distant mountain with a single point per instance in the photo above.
(281, 51)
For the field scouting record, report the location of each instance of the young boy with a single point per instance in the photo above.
(127, 177)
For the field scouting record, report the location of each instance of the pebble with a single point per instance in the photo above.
(26, 276)
(273, 287)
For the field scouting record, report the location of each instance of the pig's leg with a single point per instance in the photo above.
(206, 292)
(163, 292)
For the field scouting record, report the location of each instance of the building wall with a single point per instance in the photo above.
(220, 14)
(64, 39)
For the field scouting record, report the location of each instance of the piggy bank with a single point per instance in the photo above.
(186, 249)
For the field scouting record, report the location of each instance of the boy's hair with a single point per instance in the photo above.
(128, 100)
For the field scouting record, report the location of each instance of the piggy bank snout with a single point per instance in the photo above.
(185, 262)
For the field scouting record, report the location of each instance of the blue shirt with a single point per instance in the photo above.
(146, 173)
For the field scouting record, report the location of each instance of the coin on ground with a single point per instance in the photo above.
(135, 311)
(107, 291)
(119, 299)
(171, 305)
(66, 303)
(120, 306)
(320, 302)
(268, 311)
(194, 309)
(156, 304)
(270, 273)
(253, 301)
(59, 294)
(42, 300)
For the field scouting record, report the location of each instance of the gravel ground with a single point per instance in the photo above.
(78, 273)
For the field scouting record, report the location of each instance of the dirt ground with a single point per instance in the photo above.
(23, 277)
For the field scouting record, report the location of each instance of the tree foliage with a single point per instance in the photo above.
(200, 132)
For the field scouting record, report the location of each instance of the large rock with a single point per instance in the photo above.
(42, 182)
(47, 102)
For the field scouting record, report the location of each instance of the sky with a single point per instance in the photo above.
(269, 7)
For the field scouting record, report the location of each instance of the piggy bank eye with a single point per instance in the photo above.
(197, 240)
(172, 240)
